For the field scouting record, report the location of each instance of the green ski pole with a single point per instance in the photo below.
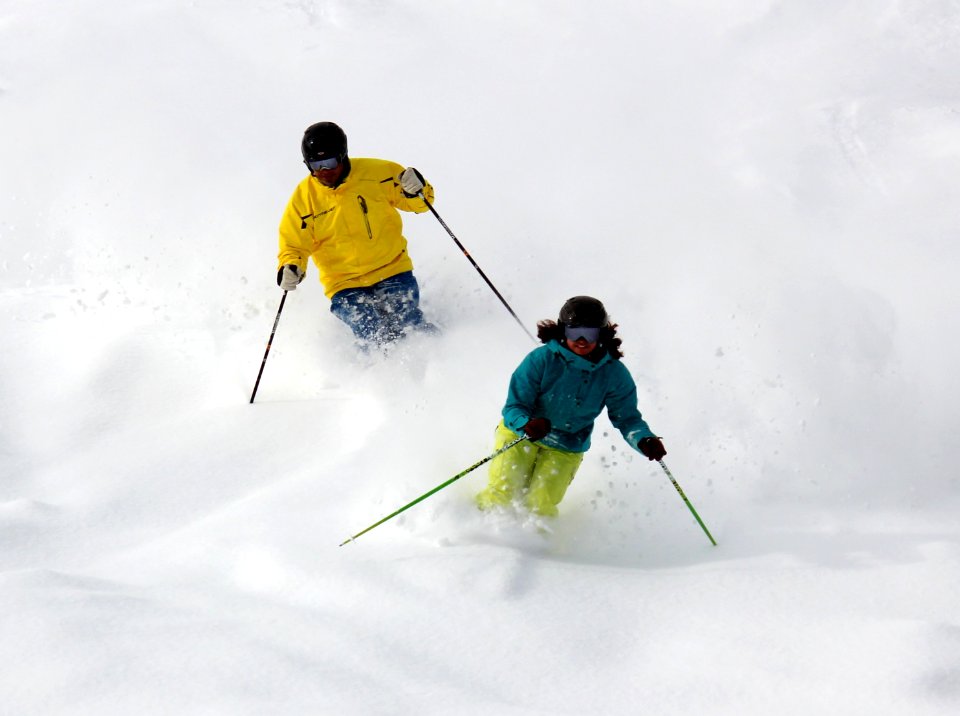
(425, 495)
(699, 521)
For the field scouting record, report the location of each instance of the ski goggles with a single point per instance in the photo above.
(319, 164)
(575, 333)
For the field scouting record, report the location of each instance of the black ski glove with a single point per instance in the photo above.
(537, 428)
(652, 448)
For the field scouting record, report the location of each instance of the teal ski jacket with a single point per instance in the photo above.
(570, 391)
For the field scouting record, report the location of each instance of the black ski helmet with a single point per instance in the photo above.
(583, 312)
(323, 140)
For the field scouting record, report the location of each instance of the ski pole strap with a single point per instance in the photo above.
(425, 495)
(687, 502)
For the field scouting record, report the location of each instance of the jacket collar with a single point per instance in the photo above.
(346, 171)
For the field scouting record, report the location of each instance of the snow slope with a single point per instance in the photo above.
(763, 193)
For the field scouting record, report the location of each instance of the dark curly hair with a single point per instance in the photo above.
(608, 342)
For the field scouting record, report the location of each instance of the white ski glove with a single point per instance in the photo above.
(411, 181)
(289, 276)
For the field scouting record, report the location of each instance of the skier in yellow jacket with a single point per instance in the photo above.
(345, 216)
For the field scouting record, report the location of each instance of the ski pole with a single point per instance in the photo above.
(677, 485)
(479, 270)
(425, 495)
(267, 352)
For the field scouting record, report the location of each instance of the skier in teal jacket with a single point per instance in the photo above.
(555, 395)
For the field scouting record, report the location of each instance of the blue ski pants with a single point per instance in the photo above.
(383, 312)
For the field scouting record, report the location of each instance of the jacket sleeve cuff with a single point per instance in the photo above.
(515, 421)
(635, 436)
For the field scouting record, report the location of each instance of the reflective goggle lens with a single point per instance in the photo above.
(329, 163)
(575, 333)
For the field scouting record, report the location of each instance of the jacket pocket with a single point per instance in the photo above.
(366, 215)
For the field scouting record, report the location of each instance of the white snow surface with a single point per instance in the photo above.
(763, 192)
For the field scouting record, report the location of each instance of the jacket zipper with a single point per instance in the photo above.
(366, 218)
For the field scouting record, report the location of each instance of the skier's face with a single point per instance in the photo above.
(581, 346)
(326, 169)
(581, 339)
(328, 177)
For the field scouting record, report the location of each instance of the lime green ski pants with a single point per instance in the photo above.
(532, 475)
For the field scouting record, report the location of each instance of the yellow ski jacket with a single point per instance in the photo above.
(353, 231)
